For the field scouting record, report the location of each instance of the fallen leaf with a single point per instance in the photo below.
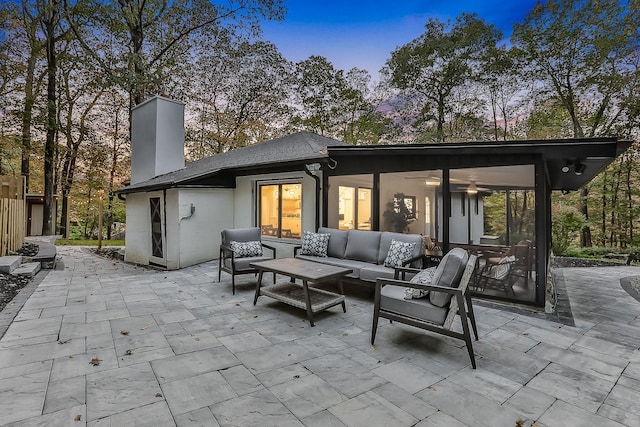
(289, 355)
(296, 376)
(197, 339)
(373, 347)
(432, 388)
(124, 332)
(519, 422)
(158, 395)
(95, 361)
(77, 417)
(345, 334)
(237, 305)
(525, 333)
(128, 352)
(145, 326)
(255, 317)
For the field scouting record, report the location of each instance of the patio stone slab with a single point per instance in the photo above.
(407, 376)
(468, 407)
(186, 343)
(198, 418)
(405, 401)
(272, 357)
(39, 352)
(322, 419)
(65, 394)
(440, 419)
(196, 392)
(572, 386)
(33, 328)
(530, 402)
(80, 364)
(241, 380)
(307, 395)
(562, 414)
(153, 415)
(371, 410)
(244, 342)
(266, 410)
(22, 397)
(192, 364)
(344, 374)
(118, 390)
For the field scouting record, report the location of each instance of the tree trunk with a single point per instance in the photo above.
(27, 114)
(49, 149)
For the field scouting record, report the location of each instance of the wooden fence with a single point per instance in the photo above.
(12, 214)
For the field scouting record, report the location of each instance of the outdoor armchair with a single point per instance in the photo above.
(435, 312)
(240, 247)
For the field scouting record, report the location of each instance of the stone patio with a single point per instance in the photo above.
(103, 343)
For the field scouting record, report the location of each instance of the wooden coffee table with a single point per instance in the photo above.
(302, 295)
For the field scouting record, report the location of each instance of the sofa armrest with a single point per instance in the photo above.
(402, 271)
(426, 287)
(296, 249)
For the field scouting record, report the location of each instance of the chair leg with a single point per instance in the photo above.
(472, 317)
(233, 283)
(274, 278)
(374, 327)
(466, 332)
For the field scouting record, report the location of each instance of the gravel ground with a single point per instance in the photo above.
(10, 285)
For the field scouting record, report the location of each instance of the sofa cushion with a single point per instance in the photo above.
(448, 273)
(385, 243)
(363, 246)
(374, 271)
(246, 249)
(399, 252)
(346, 263)
(337, 241)
(392, 299)
(314, 244)
(242, 264)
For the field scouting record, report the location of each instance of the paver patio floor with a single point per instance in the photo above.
(104, 343)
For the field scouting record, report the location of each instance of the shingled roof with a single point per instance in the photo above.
(298, 147)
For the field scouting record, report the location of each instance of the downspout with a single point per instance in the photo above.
(317, 180)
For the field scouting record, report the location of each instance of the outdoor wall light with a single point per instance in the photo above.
(580, 168)
(567, 167)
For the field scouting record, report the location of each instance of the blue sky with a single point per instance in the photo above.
(364, 33)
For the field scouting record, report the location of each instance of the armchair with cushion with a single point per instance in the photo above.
(444, 294)
(240, 247)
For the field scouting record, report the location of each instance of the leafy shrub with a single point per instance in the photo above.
(566, 223)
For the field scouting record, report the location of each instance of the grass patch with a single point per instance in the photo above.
(81, 242)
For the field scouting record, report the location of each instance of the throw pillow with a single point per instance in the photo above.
(246, 249)
(398, 253)
(501, 270)
(424, 277)
(314, 244)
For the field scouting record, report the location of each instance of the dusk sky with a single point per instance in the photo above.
(359, 33)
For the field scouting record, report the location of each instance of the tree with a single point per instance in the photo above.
(428, 69)
(581, 49)
(50, 22)
(240, 96)
(148, 34)
(336, 104)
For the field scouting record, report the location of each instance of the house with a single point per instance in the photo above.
(482, 195)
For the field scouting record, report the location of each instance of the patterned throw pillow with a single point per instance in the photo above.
(424, 277)
(314, 244)
(501, 270)
(246, 249)
(398, 253)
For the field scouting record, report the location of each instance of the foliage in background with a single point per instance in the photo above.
(567, 222)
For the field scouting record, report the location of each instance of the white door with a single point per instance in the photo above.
(37, 214)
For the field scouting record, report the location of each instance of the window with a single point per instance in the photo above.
(354, 212)
(280, 209)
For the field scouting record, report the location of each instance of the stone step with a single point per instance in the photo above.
(10, 263)
(28, 269)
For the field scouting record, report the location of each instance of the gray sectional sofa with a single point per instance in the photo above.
(365, 252)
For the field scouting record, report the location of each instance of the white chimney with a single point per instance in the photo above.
(157, 138)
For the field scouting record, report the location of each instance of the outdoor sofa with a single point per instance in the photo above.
(365, 252)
